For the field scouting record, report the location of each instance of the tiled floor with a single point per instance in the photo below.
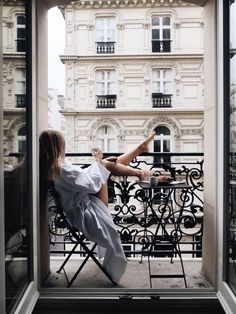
(136, 276)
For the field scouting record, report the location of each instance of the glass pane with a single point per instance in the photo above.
(166, 74)
(166, 34)
(100, 89)
(99, 23)
(166, 146)
(166, 21)
(110, 35)
(167, 88)
(20, 33)
(155, 21)
(155, 34)
(111, 22)
(21, 19)
(162, 130)
(157, 146)
(231, 274)
(18, 262)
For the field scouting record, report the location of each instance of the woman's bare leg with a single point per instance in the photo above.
(126, 158)
(103, 194)
(120, 166)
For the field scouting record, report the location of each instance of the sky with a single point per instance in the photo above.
(56, 44)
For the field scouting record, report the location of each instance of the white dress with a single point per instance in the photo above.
(90, 215)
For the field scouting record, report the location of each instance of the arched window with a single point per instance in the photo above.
(105, 138)
(21, 140)
(162, 143)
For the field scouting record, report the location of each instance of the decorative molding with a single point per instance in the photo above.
(9, 24)
(102, 121)
(150, 56)
(112, 4)
(90, 27)
(192, 132)
(120, 26)
(162, 120)
(134, 132)
(146, 25)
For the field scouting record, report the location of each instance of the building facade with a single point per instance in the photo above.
(218, 260)
(14, 76)
(132, 68)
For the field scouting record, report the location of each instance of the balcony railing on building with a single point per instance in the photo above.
(161, 45)
(20, 45)
(137, 227)
(161, 100)
(105, 47)
(106, 101)
(20, 100)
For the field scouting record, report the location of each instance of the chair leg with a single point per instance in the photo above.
(67, 258)
(90, 253)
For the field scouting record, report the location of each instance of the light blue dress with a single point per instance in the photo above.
(90, 215)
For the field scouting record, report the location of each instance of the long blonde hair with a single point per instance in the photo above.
(52, 153)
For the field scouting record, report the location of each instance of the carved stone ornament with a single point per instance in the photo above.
(134, 132)
(120, 26)
(102, 121)
(146, 25)
(90, 27)
(9, 24)
(192, 132)
(162, 120)
(69, 28)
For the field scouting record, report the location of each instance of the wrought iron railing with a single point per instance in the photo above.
(161, 45)
(160, 100)
(105, 47)
(106, 101)
(136, 224)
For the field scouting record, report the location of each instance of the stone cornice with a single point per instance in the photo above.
(117, 112)
(13, 3)
(14, 55)
(104, 4)
(132, 57)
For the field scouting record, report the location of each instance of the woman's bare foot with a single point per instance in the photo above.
(97, 154)
(145, 143)
(145, 174)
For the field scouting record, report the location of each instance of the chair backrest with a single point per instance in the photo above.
(60, 220)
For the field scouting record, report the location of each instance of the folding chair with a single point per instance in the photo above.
(78, 238)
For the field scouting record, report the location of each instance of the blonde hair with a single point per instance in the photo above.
(52, 153)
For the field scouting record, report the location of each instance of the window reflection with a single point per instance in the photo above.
(16, 201)
(231, 275)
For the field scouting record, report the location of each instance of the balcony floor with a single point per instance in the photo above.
(136, 276)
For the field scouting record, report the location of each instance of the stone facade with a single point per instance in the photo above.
(134, 61)
(14, 76)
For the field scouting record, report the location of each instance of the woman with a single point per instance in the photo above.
(84, 196)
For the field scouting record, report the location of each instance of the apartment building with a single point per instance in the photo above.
(14, 76)
(131, 68)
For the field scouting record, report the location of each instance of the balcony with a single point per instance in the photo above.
(160, 100)
(106, 101)
(20, 100)
(21, 45)
(137, 226)
(161, 45)
(105, 47)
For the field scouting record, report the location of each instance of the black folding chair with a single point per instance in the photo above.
(78, 238)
